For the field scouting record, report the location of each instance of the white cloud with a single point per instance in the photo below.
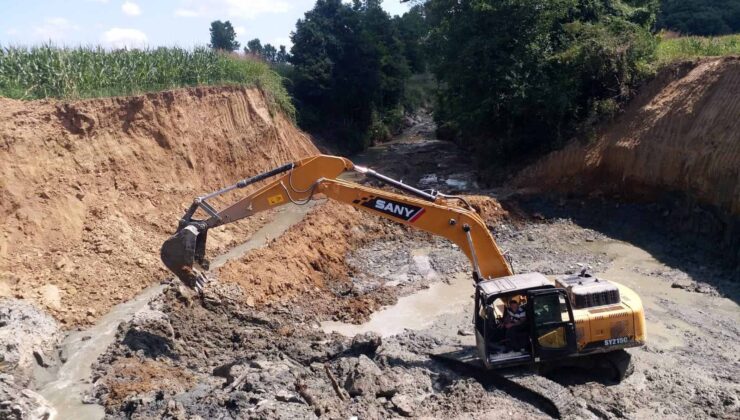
(187, 13)
(131, 9)
(124, 38)
(54, 29)
(240, 30)
(277, 42)
(12, 31)
(231, 9)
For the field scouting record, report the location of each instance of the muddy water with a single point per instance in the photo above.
(66, 387)
(417, 311)
(72, 381)
(655, 293)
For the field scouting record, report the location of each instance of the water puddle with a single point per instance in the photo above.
(82, 348)
(414, 312)
(66, 388)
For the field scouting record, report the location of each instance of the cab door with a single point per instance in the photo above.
(553, 329)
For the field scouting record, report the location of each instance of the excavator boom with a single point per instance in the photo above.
(304, 180)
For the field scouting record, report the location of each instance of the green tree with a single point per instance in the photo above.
(348, 72)
(223, 36)
(413, 29)
(282, 55)
(269, 53)
(255, 47)
(519, 77)
(700, 17)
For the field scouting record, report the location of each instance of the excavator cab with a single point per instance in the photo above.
(549, 326)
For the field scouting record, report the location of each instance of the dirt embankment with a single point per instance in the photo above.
(90, 189)
(680, 134)
(309, 262)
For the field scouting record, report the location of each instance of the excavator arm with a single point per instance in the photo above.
(317, 176)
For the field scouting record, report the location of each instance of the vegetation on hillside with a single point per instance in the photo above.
(684, 48)
(73, 73)
(522, 76)
(349, 72)
(700, 17)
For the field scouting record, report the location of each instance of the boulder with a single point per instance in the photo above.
(366, 343)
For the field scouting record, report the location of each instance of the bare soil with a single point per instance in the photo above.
(89, 190)
(681, 133)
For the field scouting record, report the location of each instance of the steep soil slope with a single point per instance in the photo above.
(682, 133)
(90, 189)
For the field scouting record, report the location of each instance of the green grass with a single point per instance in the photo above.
(84, 72)
(683, 48)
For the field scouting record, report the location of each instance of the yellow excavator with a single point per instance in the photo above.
(566, 317)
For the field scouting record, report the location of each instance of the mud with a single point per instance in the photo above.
(274, 359)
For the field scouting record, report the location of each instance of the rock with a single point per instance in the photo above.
(150, 331)
(363, 380)
(174, 411)
(464, 332)
(287, 396)
(51, 296)
(28, 330)
(366, 343)
(683, 284)
(40, 359)
(19, 404)
(404, 404)
(61, 263)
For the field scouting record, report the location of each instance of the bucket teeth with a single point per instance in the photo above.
(178, 255)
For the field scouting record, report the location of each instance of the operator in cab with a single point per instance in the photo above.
(514, 322)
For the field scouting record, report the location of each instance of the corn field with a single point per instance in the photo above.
(85, 72)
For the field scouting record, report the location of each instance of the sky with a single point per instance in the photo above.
(140, 23)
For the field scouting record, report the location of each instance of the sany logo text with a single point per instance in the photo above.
(398, 209)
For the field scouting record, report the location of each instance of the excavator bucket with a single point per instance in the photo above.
(182, 251)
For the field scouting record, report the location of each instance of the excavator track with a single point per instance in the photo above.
(521, 382)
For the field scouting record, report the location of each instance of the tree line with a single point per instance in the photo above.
(223, 37)
(700, 17)
(512, 78)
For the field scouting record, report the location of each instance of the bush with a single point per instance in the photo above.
(520, 77)
(700, 17)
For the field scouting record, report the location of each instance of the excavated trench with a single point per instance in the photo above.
(66, 386)
(277, 360)
(324, 311)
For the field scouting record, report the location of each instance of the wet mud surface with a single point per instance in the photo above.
(217, 356)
